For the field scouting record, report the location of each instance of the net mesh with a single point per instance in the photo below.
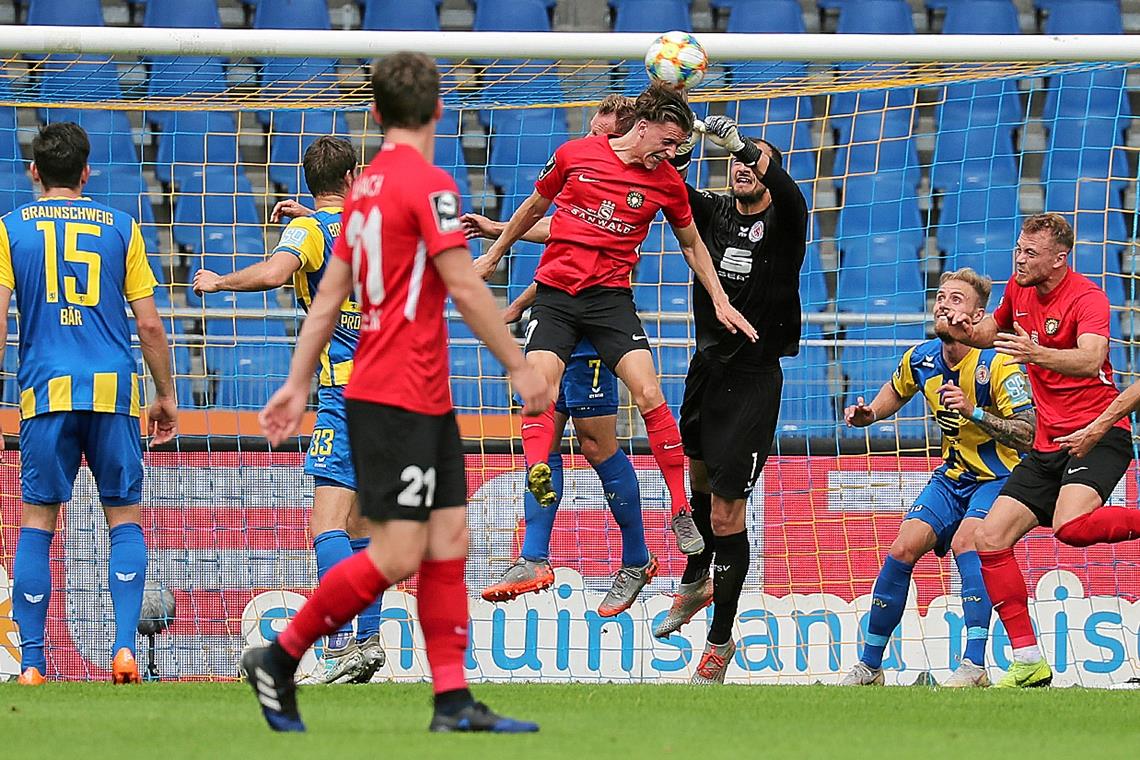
(910, 169)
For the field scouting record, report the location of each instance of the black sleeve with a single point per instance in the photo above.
(790, 206)
(702, 205)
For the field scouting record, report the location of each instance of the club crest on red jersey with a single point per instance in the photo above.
(1052, 325)
(606, 210)
(635, 199)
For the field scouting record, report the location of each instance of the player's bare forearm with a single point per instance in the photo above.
(1083, 361)
(1123, 405)
(981, 334)
(154, 344)
(317, 330)
(475, 303)
(886, 402)
(264, 275)
(1016, 432)
(521, 222)
(540, 232)
(522, 303)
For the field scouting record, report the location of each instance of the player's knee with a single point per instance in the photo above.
(395, 566)
(989, 537)
(905, 552)
(964, 539)
(647, 396)
(727, 517)
(596, 450)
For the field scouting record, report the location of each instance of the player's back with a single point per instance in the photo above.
(75, 265)
(402, 211)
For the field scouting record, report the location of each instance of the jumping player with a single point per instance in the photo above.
(589, 396)
(607, 190)
(981, 401)
(1056, 322)
(404, 250)
(301, 255)
(77, 266)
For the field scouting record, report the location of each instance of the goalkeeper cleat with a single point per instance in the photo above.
(690, 599)
(540, 485)
(863, 675)
(968, 675)
(689, 539)
(523, 577)
(627, 584)
(713, 664)
(478, 717)
(124, 668)
(273, 685)
(372, 650)
(31, 677)
(1026, 675)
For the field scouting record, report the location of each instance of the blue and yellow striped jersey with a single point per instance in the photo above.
(989, 379)
(311, 239)
(74, 265)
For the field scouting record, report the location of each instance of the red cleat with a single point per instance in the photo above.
(523, 577)
(31, 677)
(124, 668)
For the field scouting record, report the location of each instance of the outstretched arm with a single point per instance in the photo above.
(1082, 441)
(524, 218)
(698, 258)
(272, 273)
(479, 226)
(886, 402)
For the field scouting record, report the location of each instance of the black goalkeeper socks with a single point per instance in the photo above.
(729, 571)
(697, 565)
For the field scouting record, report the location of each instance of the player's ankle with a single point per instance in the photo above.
(1027, 655)
(451, 702)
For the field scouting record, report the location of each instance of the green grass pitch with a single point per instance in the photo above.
(590, 722)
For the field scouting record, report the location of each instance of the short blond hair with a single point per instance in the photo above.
(1058, 227)
(981, 284)
(623, 110)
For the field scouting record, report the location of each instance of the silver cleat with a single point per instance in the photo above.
(862, 675)
(713, 664)
(690, 599)
(341, 665)
(626, 586)
(689, 539)
(968, 675)
(372, 650)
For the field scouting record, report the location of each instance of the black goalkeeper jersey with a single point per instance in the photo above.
(758, 259)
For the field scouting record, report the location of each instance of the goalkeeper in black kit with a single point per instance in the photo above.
(757, 236)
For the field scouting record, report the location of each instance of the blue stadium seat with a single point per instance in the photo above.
(291, 132)
(879, 273)
(978, 228)
(878, 141)
(522, 141)
(192, 141)
(512, 16)
(867, 367)
(182, 367)
(813, 286)
(406, 15)
(70, 13)
(69, 78)
(218, 197)
(881, 204)
(654, 297)
(227, 248)
(765, 16)
(246, 374)
(190, 14)
(478, 381)
(966, 154)
(651, 15)
(175, 76)
(875, 17)
(807, 404)
(122, 186)
(1084, 17)
(291, 14)
(661, 262)
(981, 104)
(673, 349)
(1086, 148)
(15, 185)
(1101, 233)
(1088, 94)
(248, 315)
(980, 17)
(449, 152)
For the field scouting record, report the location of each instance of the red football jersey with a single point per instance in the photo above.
(401, 212)
(603, 208)
(1076, 306)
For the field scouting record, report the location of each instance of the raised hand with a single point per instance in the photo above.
(859, 414)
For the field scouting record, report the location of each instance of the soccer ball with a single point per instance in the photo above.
(676, 60)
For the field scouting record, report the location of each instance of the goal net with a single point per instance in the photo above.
(916, 156)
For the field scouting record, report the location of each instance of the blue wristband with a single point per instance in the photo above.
(977, 414)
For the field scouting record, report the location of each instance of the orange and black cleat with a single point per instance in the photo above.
(124, 668)
(523, 577)
(31, 677)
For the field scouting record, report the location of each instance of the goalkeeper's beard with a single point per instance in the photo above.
(750, 198)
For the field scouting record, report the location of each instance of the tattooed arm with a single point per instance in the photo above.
(1015, 432)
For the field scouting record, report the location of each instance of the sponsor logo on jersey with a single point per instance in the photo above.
(445, 206)
(982, 375)
(603, 218)
(756, 233)
(737, 260)
(606, 210)
(635, 199)
(294, 237)
(1052, 325)
(926, 362)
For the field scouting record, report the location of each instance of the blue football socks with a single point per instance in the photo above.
(31, 594)
(126, 578)
(540, 520)
(976, 606)
(623, 493)
(888, 600)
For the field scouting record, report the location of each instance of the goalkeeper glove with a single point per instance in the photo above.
(685, 151)
(723, 131)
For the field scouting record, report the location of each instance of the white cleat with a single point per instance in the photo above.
(861, 675)
(968, 675)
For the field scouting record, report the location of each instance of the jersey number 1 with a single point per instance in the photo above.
(71, 253)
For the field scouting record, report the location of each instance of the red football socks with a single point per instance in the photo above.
(665, 443)
(1106, 525)
(538, 436)
(349, 587)
(443, 617)
(1006, 587)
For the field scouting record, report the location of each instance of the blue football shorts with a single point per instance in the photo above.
(329, 459)
(944, 503)
(52, 444)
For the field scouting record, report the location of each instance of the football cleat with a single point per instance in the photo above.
(478, 717)
(372, 650)
(627, 584)
(540, 485)
(968, 675)
(274, 688)
(521, 578)
(690, 599)
(714, 664)
(689, 539)
(863, 675)
(1026, 675)
(31, 677)
(124, 668)
(342, 662)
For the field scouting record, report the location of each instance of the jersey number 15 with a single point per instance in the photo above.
(73, 254)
